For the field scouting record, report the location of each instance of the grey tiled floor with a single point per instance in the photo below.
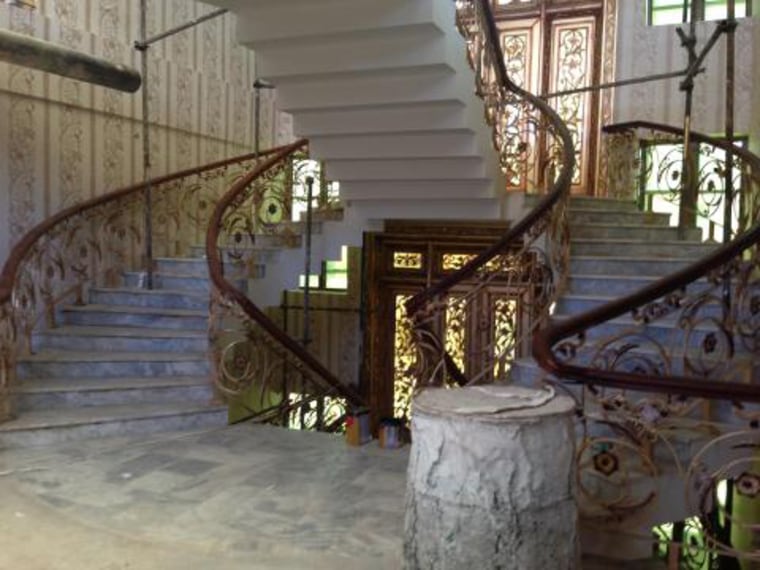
(281, 499)
(242, 497)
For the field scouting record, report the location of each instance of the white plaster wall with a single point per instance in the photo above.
(644, 50)
(64, 141)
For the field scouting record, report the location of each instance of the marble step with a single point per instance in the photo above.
(254, 255)
(663, 331)
(625, 248)
(156, 298)
(37, 428)
(124, 316)
(65, 393)
(526, 372)
(121, 339)
(574, 304)
(589, 203)
(623, 217)
(87, 364)
(234, 268)
(174, 281)
(632, 232)
(646, 266)
(618, 285)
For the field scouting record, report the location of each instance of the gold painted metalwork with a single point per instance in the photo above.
(404, 359)
(454, 261)
(407, 260)
(252, 364)
(473, 335)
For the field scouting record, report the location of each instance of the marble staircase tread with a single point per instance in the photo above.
(654, 244)
(631, 259)
(122, 331)
(579, 208)
(98, 308)
(88, 416)
(57, 385)
(150, 292)
(65, 356)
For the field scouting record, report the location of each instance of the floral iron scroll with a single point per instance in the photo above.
(255, 361)
(494, 301)
(669, 381)
(93, 244)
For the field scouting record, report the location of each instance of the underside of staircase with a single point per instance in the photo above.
(384, 93)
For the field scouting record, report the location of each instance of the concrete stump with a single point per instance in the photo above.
(490, 482)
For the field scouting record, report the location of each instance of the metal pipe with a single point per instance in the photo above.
(307, 263)
(26, 51)
(730, 93)
(622, 83)
(144, 43)
(148, 192)
(258, 85)
(687, 207)
(728, 205)
(694, 66)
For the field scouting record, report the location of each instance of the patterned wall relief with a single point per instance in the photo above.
(72, 140)
(114, 131)
(643, 50)
(23, 135)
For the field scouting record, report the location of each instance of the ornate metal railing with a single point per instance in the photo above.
(669, 378)
(469, 333)
(93, 244)
(646, 164)
(257, 363)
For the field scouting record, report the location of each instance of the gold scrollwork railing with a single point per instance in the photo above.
(93, 244)
(506, 291)
(646, 164)
(669, 378)
(256, 362)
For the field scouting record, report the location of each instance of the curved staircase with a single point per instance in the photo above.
(129, 361)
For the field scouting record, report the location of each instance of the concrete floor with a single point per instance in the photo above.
(241, 497)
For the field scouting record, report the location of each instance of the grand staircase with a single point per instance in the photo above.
(385, 95)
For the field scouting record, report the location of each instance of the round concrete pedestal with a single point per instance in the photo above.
(490, 481)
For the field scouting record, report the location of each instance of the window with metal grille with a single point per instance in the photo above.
(664, 12)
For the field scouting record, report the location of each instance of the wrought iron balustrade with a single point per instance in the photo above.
(256, 362)
(646, 164)
(495, 300)
(93, 244)
(676, 384)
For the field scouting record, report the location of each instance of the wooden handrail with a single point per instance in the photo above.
(229, 291)
(559, 189)
(545, 339)
(745, 155)
(22, 247)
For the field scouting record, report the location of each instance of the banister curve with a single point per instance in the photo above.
(547, 337)
(559, 188)
(22, 247)
(228, 290)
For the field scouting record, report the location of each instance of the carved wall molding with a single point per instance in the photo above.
(65, 141)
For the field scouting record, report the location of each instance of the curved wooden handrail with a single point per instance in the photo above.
(745, 155)
(252, 311)
(22, 247)
(559, 189)
(546, 338)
